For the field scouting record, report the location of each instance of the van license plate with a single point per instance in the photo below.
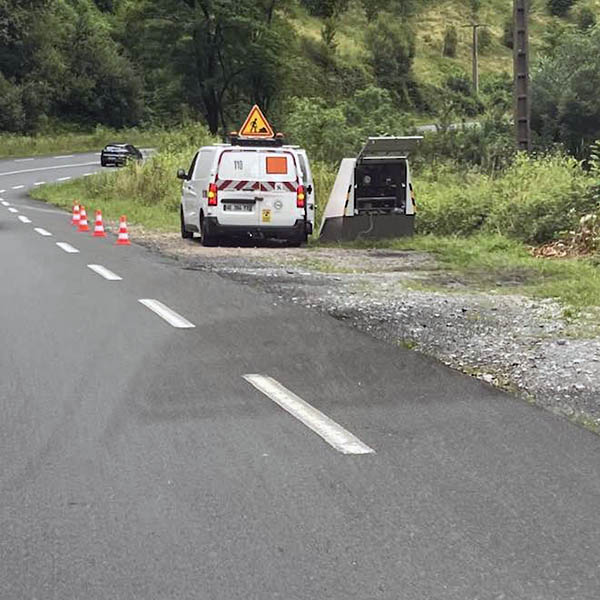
(266, 215)
(237, 207)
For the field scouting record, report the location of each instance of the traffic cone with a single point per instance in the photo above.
(99, 226)
(83, 222)
(123, 239)
(75, 217)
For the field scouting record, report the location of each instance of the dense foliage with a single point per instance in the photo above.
(566, 103)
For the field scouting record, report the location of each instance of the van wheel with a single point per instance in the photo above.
(186, 235)
(208, 238)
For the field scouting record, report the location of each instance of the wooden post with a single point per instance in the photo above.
(522, 100)
(475, 58)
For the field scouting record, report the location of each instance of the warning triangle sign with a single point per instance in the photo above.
(256, 125)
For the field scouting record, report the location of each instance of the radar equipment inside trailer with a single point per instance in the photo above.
(372, 196)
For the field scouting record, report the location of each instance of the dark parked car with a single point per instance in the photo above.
(119, 154)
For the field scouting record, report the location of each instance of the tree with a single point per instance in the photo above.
(450, 42)
(566, 105)
(392, 48)
(222, 53)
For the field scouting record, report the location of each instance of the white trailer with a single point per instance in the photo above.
(372, 197)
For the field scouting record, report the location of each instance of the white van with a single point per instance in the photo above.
(249, 188)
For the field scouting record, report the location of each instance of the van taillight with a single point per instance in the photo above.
(300, 197)
(212, 195)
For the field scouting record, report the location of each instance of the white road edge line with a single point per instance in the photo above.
(64, 156)
(18, 187)
(39, 183)
(67, 247)
(24, 159)
(88, 174)
(87, 164)
(24, 219)
(169, 315)
(63, 178)
(333, 433)
(104, 272)
(13, 210)
(42, 231)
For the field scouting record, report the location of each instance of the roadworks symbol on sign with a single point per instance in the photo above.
(256, 125)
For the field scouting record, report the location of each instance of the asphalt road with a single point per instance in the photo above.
(137, 461)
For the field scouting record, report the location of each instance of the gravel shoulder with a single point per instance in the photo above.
(523, 345)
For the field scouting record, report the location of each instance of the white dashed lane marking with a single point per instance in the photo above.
(65, 156)
(18, 187)
(2, 191)
(104, 272)
(86, 164)
(42, 231)
(24, 219)
(67, 247)
(13, 210)
(23, 159)
(39, 183)
(63, 179)
(333, 433)
(5, 203)
(169, 315)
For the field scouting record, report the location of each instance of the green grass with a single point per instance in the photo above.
(157, 217)
(13, 145)
(496, 263)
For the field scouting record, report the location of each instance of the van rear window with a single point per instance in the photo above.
(256, 166)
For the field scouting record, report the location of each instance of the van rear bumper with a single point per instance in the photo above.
(300, 229)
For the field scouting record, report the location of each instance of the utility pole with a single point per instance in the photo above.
(522, 101)
(475, 27)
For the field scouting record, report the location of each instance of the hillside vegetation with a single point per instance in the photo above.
(80, 63)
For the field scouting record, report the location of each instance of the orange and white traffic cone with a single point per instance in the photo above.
(83, 222)
(99, 226)
(75, 217)
(123, 239)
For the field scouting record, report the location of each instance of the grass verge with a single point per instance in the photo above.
(496, 263)
(159, 217)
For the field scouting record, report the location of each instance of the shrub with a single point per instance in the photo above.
(508, 33)
(484, 39)
(586, 19)
(450, 42)
(538, 198)
(560, 8)
(533, 201)
(330, 133)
